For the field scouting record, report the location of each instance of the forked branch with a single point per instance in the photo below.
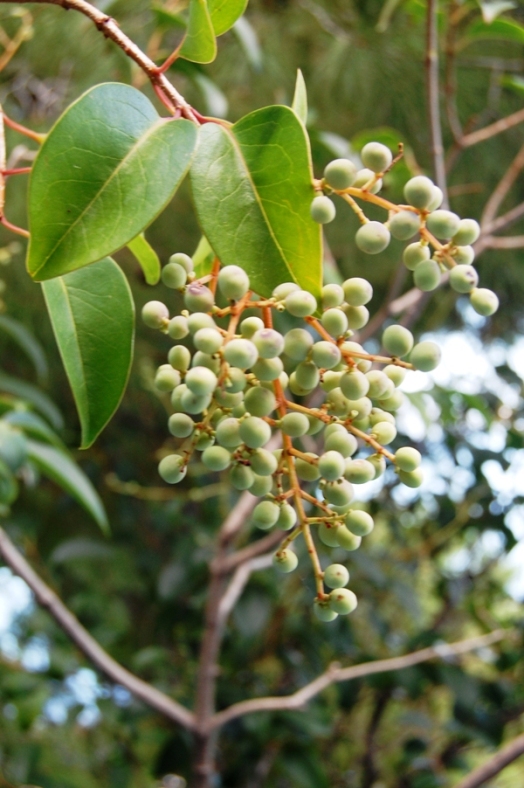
(503, 758)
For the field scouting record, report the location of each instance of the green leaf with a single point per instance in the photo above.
(59, 467)
(8, 485)
(92, 314)
(34, 426)
(200, 44)
(299, 104)
(505, 29)
(26, 342)
(252, 187)
(224, 13)
(491, 9)
(105, 171)
(203, 258)
(164, 18)
(33, 395)
(513, 82)
(147, 257)
(248, 40)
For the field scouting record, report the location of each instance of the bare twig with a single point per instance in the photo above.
(432, 83)
(495, 765)
(48, 599)
(109, 28)
(336, 674)
(238, 583)
(503, 242)
(450, 84)
(504, 185)
(503, 221)
(494, 128)
(236, 559)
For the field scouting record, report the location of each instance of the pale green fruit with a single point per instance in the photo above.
(198, 298)
(241, 477)
(364, 176)
(468, 232)
(199, 320)
(359, 471)
(395, 374)
(443, 224)
(254, 432)
(287, 518)
(294, 424)
(342, 601)
(285, 560)
(484, 301)
(463, 278)
(357, 291)
(404, 225)
(357, 316)
(325, 355)
(411, 478)
(181, 425)
(228, 433)
(267, 369)
(241, 353)
(167, 378)
(179, 357)
(300, 303)
(155, 314)
(384, 432)
(427, 276)
(376, 157)
(418, 192)
(340, 174)
(172, 468)
(297, 344)
(414, 254)
(332, 296)
(263, 462)
(282, 291)
(463, 255)
(397, 340)
(178, 327)
(437, 199)
(323, 210)
(307, 471)
(359, 523)
(328, 534)
(407, 458)
(323, 612)
(250, 325)
(201, 381)
(336, 576)
(331, 465)
(208, 340)
(348, 540)
(182, 259)
(265, 514)
(216, 458)
(339, 493)
(335, 322)
(260, 401)
(372, 238)
(233, 282)
(174, 276)
(342, 442)
(425, 356)
(354, 384)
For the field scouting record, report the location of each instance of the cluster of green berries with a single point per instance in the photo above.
(235, 381)
(444, 239)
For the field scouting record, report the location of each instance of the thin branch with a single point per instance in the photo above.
(504, 242)
(88, 645)
(495, 765)
(238, 583)
(504, 185)
(504, 221)
(236, 559)
(450, 83)
(432, 84)
(494, 128)
(336, 674)
(109, 28)
(395, 286)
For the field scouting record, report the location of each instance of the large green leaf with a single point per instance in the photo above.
(224, 13)
(147, 257)
(34, 396)
(92, 314)
(26, 342)
(200, 44)
(58, 466)
(105, 171)
(252, 187)
(299, 104)
(505, 29)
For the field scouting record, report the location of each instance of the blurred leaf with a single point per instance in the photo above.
(506, 29)
(80, 549)
(248, 39)
(34, 396)
(203, 257)
(224, 13)
(217, 103)
(200, 44)
(33, 425)
(166, 18)
(147, 258)
(26, 341)
(92, 314)
(128, 163)
(299, 104)
(8, 484)
(513, 82)
(58, 466)
(256, 178)
(491, 9)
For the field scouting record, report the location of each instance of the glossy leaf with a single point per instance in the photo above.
(252, 187)
(105, 171)
(34, 396)
(224, 13)
(299, 104)
(26, 342)
(200, 44)
(92, 314)
(59, 467)
(147, 258)
(505, 29)
(203, 257)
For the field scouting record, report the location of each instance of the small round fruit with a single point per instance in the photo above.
(379, 464)
(331, 465)
(216, 458)
(233, 282)
(463, 255)
(307, 471)
(425, 356)
(228, 433)
(281, 292)
(261, 485)
(357, 316)
(250, 325)
(427, 276)
(323, 612)
(198, 297)
(376, 156)
(414, 254)
(294, 424)
(323, 210)
(468, 232)
(378, 382)
(366, 176)
(181, 425)
(198, 320)
(340, 174)
(194, 403)
(201, 381)
(285, 560)
(354, 384)
(358, 291)
(300, 303)
(155, 314)
(437, 199)
(167, 378)
(182, 259)
(418, 192)
(268, 342)
(254, 432)
(342, 601)
(241, 477)
(177, 327)
(404, 225)
(260, 401)
(384, 432)
(332, 296)
(179, 357)
(348, 540)
(172, 468)
(174, 276)
(236, 380)
(287, 518)
(358, 522)
(463, 278)
(411, 478)
(267, 369)
(359, 471)
(208, 340)
(372, 238)
(297, 344)
(307, 375)
(326, 355)
(265, 514)
(397, 340)
(443, 224)
(339, 493)
(336, 576)
(484, 301)
(407, 459)
(328, 534)
(342, 442)
(395, 374)
(263, 462)
(335, 322)
(240, 353)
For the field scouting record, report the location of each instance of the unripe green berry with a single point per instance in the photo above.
(261, 485)
(443, 224)
(198, 297)
(425, 356)
(287, 518)
(265, 514)
(174, 276)
(240, 353)
(328, 534)
(414, 254)
(155, 314)
(297, 344)
(418, 191)
(323, 210)
(484, 301)
(411, 478)
(254, 432)
(236, 380)
(260, 401)
(330, 380)
(384, 432)
(463, 278)
(285, 560)
(357, 291)
(294, 424)
(357, 316)
(307, 471)
(166, 378)
(208, 340)
(325, 355)
(323, 612)
(376, 156)
(331, 465)
(427, 275)
(378, 382)
(205, 360)
(216, 458)
(228, 433)
(378, 415)
(436, 199)
(194, 403)
(199, 320)
(307, 375)
(340, 174)
(332, 296)
(263, 462)
(354, 384)
(407, 459)
(404, 225)
(250, 325)
(468, 232)
(241, 477)
(316, 425)
(341, 442)
(177, 327)
(172, 468)
(395, 374)
(267, 369)
(233, 282)
(176, 398)
(201, 381)
(379, 464)
(359, 523)
(348, 540)
(182, 259)
(463, 255)
(339, 493)
(336, 576)
(300, 303)
(204, 440)
(359, 471)
(338, 404)
(179, 357)
(366, 176)
(342, 601)
(282, 291)
(268, 342)
(397, 340)
(181, 425)
(335, 322)
(296, 388)
(372, 238)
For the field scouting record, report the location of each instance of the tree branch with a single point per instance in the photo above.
(88, 645)
(504, 185)
(503, 221)
(432, 84)
(503, 242)
(109, 28)
(495, 765)
(238, 583)
(494, 128)
(336, 674)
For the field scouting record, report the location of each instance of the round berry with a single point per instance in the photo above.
(241, 477)
(379, 464)
(198, 297)
(172, 468)
(250, 325)
(331, 465)
(166, 378)
(228, 433)
(342, 601)
(260, 401)
(268, 342)
(261, 485)
(343, 443)
(366, 176)
(282, 291)
(241, 353)
(397, 340)
(316, 424)
(411, 478)
(155, 314)
(201, 381)
(463, 255)
(463, 278)
(354, 384)
(194, 403)
(404, 225)
(443, 224)
(174, 276)
(348, 540)
(425, 356)
(332, 296)
(326, 355)
(307, 375)
(357, 316)
(263, 462)
(359, 523)
(323, 612)
(437, 198)
(323, 210)
(285, 560)
(328, 534)
(359, 471)
(307, 471)
(418, 192)
(183, 260)
(340, 174)
(287, 518)
(395, 374)
(181, 425)
(427, 275)
(294, 424)
(199, 320)
(414, 254)
(378, 415)
(179, 357)
(357, 291)
(339, 493)
(468, 232)
(484, 301)
(407, 459)
(372, 238)
(376, 156)
(177, 328)
(335, 322)
(265, 514)
(297, 344)
(384, 432)
(216, 458)
(378, 382)
(336, 576)
(254, 432)
(236, 380)
(233, 282)
(300, 303)
(208, 340)
(267, 369)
